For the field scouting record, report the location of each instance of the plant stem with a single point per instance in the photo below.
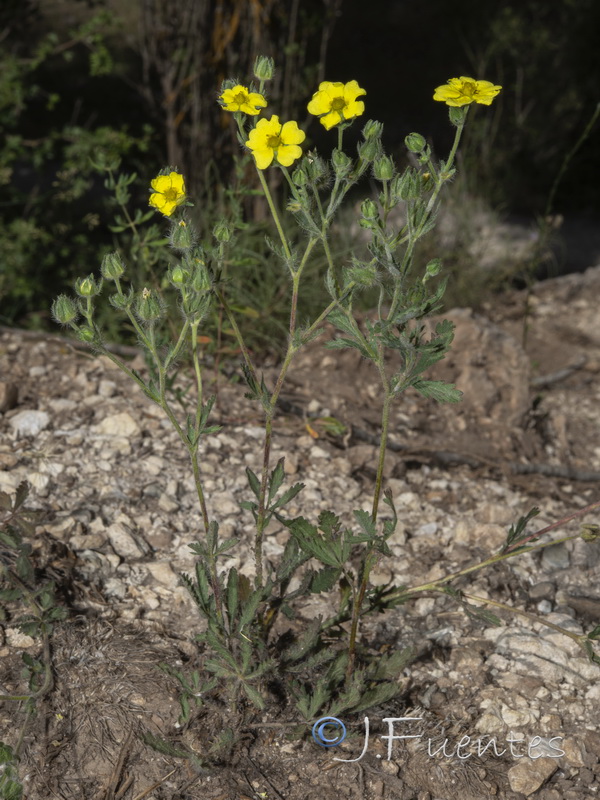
(368, 558)
(275, 215)
(576, 637)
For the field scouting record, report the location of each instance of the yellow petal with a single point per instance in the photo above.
(263, 158)
(177, 182)
(291, 133)
(287, 154)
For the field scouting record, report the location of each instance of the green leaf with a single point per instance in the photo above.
(389, 667)
(254, 482)
(342, 343)
(276, 479)
(482, 615)
(438, 390)
(365, 520)
(288, 495)
(377, 695)
(324, 580)
(518, 531)
(595, 634)
(307, 640)
(254, 696)
(232, 595)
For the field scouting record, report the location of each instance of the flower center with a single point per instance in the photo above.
(469, 88)
(274, 141)
(338, 104)
(240, 98)
(170, 195)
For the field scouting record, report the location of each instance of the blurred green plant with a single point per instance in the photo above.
(33, 608)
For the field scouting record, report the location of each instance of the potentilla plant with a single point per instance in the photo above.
(243, 653)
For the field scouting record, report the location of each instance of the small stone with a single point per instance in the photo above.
(527, 776)
(163, 573)
(428, 529)
(9, 396)
(545, 590)
(29, 423)
(106, 388)
(555, 557)
(118, 425)
(123, 542)
(167, 504)
(15, 638)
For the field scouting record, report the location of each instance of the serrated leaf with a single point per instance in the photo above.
(438, 390)
(21, 494)
(226, 545)
(389, 667)
(376, 696)
(276, 479)
(254, 696)
(288, 495)
(324, 580)
(517, 531)
(306, 641)
(342, 343)
(365, 520)
(5, 502)
(232, 595)
(482, 615)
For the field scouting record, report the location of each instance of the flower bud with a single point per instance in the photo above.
(148, 306)
(222, 231)
(299, 177)
(264, 68)
(406, 186)
(64, 310)
(86, 334)
(383, 168)
(181, 236)
(415, 142)
(342, 164)
(200, 279)
(195, 307)
(179, 276)
(373, 130)
(458, 115)
(369, 149)
(112, 267)
(368, 209)
(122, 301)
(315, 167)
(87, 287)
(432, 269)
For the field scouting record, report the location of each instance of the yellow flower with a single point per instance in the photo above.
(241, 99)
(336, 102)
(169, 192)
(272, 140)
(462, 91)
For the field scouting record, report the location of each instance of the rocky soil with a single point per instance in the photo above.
(118, 515)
